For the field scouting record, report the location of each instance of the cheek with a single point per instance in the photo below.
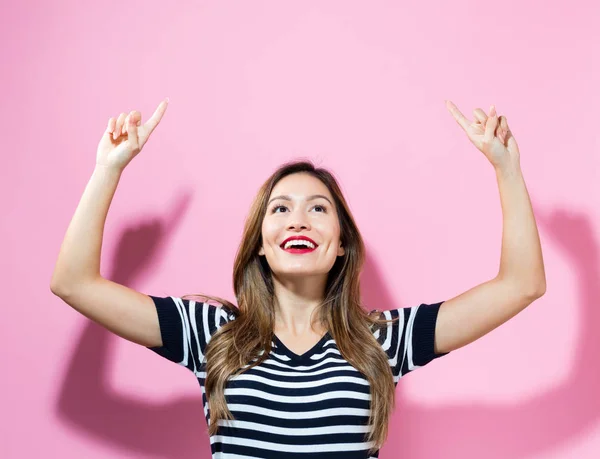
(330, 230)
(269, 232)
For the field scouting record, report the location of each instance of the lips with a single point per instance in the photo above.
(298, 238)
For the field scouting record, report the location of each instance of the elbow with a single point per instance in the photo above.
(60, 287)
(55, 285)
(531, 290)
(539, 285)
(57, 289)
(65, 287)
(536, 290)
(541, 290)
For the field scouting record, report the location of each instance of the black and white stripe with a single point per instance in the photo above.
(304, 406)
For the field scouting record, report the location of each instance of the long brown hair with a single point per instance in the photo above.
(241, 341)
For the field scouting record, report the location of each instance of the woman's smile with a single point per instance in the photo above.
(299, 250)
(299, 245)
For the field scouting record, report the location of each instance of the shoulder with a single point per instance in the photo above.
(195, 307)
(211, 306)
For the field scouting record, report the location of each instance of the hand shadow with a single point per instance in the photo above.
(524, 428)
(87, 401)
(177, 429)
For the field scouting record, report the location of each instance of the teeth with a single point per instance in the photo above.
(308, 244)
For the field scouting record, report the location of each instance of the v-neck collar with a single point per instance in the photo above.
(284, 349)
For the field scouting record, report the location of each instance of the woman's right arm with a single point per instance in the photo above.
(76, 278)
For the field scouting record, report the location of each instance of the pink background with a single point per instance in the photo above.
(359, 87)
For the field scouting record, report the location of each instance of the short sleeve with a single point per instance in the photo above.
(186, 327)
(409, 341)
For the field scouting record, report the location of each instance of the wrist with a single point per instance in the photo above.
(108, 170)
(508, 170)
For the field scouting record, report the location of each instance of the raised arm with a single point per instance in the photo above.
(521, 278)
(76, 278)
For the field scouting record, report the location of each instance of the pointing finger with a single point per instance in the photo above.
(458, 116)
(157, 116)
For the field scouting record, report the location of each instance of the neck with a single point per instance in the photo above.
(296, 301)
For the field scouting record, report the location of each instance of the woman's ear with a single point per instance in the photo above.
(341, 250)
(261, 251)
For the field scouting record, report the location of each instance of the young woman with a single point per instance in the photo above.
(299, 369)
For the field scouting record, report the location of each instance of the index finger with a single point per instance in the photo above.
(157, 116)
(458, 116)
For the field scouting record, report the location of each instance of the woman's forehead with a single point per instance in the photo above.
(299, 186)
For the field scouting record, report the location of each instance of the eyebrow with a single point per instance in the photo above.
(310, 198)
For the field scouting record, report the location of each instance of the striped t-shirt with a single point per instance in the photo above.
(314, 405)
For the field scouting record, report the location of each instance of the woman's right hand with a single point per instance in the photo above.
(125, 137)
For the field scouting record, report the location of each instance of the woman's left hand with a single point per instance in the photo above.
(490, 134)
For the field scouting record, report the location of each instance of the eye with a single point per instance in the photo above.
(281, 206)
(274, 209)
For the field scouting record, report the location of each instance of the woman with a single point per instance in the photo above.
(299, 368)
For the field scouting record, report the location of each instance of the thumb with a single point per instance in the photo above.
(132, 131)
(491, 125)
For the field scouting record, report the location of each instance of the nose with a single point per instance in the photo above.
(298, 221)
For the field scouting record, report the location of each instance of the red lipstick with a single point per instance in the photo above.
(304, 248)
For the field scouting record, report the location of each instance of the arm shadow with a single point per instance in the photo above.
(543, 422)
(177, 429)
(88, 403)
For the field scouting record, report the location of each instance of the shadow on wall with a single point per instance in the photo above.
(88, 403)
(177, 429)
(541, 423)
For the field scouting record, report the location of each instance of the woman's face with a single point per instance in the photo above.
(300, 205)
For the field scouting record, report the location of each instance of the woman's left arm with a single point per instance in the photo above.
(521, 278)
